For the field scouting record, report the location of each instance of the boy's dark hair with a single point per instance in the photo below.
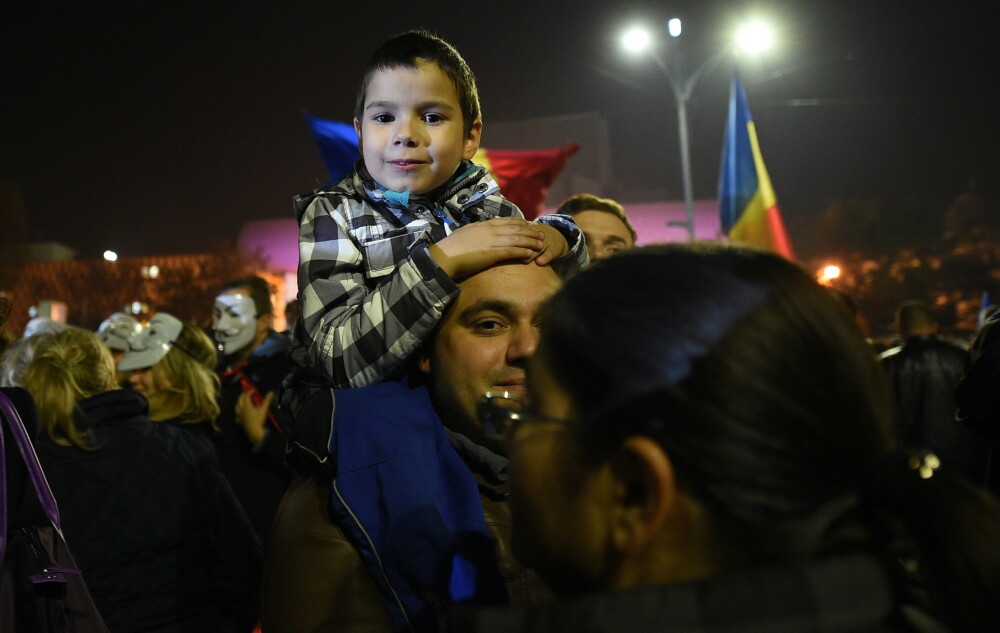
(260, 292)
(589, 202)
(405, 49)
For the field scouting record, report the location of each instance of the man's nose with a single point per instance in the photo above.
(522, 345)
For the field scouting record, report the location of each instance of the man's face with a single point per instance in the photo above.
(558, 518)
(605, 233)
(234, 320)
(412, 135)
(485, 340)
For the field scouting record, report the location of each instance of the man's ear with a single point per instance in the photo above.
(645, 493)
(425, 364)
(471, 139)
(357, 128)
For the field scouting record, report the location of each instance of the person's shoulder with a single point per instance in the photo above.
(186, 439)
(478, 189)
(24, 405)
(891, 353)
(344, 193)
(949, 347)
(274, 344)
(21, 400)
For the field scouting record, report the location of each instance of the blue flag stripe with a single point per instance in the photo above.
(739, 173)
(337, 143)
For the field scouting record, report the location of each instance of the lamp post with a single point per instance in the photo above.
(753, 36)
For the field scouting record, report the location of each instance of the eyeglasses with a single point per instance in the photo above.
(501, 412)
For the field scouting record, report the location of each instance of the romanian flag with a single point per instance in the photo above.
(338, 145)
(748, 205)
(524, 176)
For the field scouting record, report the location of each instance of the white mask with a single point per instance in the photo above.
(149, 346)
(234, 322)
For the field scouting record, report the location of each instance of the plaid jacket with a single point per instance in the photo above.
(370, 292)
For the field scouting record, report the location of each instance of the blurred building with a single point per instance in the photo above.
(84, 292)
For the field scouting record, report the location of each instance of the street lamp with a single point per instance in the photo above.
(828, 273)
(754, 36)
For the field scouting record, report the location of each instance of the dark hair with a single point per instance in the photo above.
(589, 202)
(260, 292)
(915, 316)
(775, 414)
(405, 49)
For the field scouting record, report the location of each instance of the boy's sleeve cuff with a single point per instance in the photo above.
(576, 257)
(431, 272)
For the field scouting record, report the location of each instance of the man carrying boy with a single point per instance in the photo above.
(383, 536)
(381, 251)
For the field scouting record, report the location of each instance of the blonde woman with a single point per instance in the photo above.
(155, 528)
(172, 363)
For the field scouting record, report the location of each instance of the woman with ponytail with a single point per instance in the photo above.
(62, 371)
(707, 447)
(158, 534)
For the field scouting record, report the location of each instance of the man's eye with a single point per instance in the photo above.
(488, 327)
(383, 118)
(433, 117)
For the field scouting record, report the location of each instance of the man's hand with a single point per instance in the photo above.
(477, 246)
(251, 417)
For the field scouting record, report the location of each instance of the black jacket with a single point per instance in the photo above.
(258, 474)
(23, 508)
(923, 373)
(978, 394)
(849, 593)
(154, 526)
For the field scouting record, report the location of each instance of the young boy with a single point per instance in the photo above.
(382, 250)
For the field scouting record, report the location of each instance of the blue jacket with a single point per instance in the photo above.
(410, 503)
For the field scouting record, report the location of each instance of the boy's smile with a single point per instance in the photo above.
(412, 135)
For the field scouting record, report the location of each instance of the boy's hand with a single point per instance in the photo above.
(477, 246)
(555, 245)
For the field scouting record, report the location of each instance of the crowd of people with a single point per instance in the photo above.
(485, 423)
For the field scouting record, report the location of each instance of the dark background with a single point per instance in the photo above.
(161, 127)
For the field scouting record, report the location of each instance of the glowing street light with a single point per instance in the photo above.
(636, 40)
(755, 36)
(752, 37)
(110, 256)
(828, 273)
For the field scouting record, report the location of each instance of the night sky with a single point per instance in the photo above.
(162, 127)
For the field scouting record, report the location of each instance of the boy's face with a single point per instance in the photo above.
(412, 135)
